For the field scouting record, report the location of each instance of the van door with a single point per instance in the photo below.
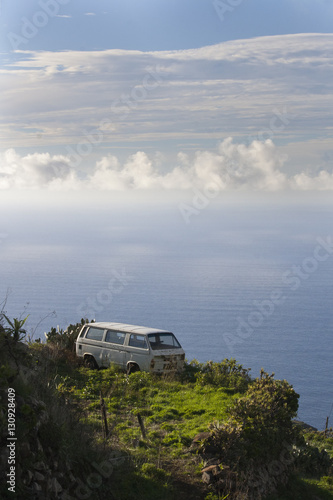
(138, 351)
(113, 350)
(92, 344)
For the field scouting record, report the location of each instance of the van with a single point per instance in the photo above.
(130, 347)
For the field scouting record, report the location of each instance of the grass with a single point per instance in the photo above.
(300, 488)
(173, 412)
(305, 487)
(323, 443)
(162, 464)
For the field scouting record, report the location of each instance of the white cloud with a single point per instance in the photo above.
(277, 88)
(35, 171)
(321, 182)
(227, 89)
(232, 167)
(90, 14)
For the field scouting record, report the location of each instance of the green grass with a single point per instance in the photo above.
(173, 412)
(300, 488)
(323, 443)
(163, 464)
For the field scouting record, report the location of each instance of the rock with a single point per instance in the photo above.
(25, 449)
(40, 466)
(214, 469)
(72, 477)
(211, 473)
(68, 466)
(54, 486)
(304, 426)
(39, 477)
(39, 446)
(37, 404)
(200, 437)
(207, 478)
(29, 476)
(36, 487)
(66, 495)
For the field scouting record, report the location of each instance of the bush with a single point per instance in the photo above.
(14, 329)
(65, 338)
(256, 442)
(227, 374)
(313, 462)
(266, 414)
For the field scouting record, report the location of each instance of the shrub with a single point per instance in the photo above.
(65, 338)
(266, 414)
(313, 462)
(256, 441)
(14, 329)
(227, 374)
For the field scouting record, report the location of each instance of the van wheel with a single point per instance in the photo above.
(132, 369)
(89, 362)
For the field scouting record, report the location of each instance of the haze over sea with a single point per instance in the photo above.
(245, 279)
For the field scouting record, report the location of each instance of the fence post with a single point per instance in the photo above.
(104, 419)
(326, 427)
(142, 427)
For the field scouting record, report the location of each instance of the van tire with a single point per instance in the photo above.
(132, 368)
(89, 362)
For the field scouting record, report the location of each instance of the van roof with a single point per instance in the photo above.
(124, 327)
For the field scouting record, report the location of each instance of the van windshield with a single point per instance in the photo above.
(163, 341)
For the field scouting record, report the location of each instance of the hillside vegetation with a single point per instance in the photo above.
(211, 432)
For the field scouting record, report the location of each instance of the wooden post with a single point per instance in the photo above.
(326, 427)
(142, 427)
(104, 419)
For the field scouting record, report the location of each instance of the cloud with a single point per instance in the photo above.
(90, 14)
(231, 167)
(277, 88)
(231, 88)
(35, 171)
(321, 182)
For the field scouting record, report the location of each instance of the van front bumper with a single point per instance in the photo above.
(167, 363)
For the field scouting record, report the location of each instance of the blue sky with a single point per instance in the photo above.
(163, 24)
(156, 94)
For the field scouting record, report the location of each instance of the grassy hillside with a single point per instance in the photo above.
(209, 433)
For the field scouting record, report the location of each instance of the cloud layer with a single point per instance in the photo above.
(255, 167)
(231, 88)
(276, 88)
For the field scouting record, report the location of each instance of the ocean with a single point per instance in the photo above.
(231, 277)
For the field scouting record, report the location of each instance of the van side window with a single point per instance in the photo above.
(95, 333)
(83, 332)
(138, 341)
(115, 337)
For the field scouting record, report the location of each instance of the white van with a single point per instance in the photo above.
(131, 347)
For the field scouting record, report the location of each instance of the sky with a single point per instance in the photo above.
(156, 95)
